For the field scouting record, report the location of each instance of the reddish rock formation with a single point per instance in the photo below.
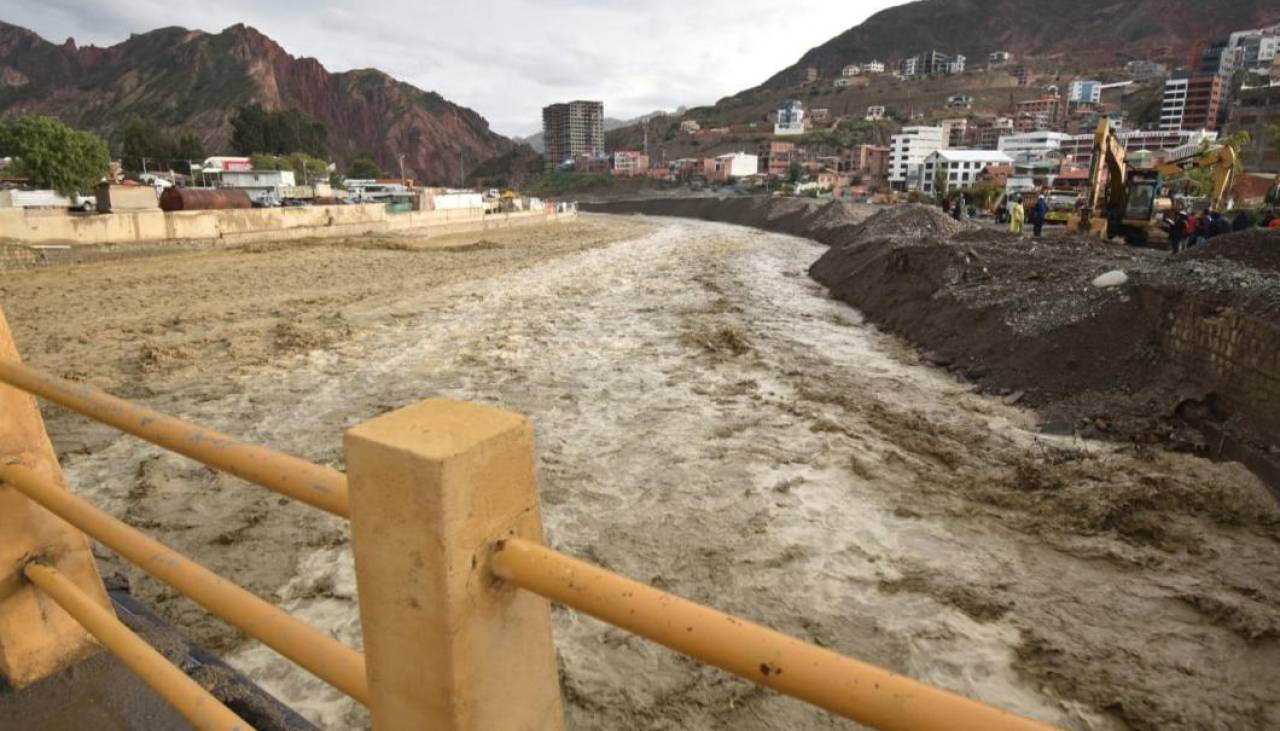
(194, 81)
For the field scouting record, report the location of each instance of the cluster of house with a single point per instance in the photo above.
(1047, 140)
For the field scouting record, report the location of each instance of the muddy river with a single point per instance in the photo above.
(710, 422)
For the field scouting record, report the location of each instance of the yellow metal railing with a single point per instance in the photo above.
(446, 526)
(186, 695)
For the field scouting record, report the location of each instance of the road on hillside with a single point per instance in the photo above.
(708, 421)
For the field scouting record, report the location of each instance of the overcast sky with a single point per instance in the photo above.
(503, 58)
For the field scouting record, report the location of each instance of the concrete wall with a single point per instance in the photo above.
(32, 238)
(1236, 355)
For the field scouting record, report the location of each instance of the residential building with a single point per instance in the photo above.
(820, 114)
(690, 126)
(987, 134)
(1191, 102)
(845, 82)
(873, 67)
(1085, 90)
(1218, 59)
(811, 74)
(937, 63)
(1255, 111)
(907, 152)
(734, 165)
(260, 185)
(998, 58)
(954, 132)
(1078, 149)
(790, 119)
(775, 158)
(1254, 50)
(957, 168)
(1045, 112)
(996, 175)
(870, 162)
(909, 66)
(599, 164)
(874, 113)
(218, 164)
(572, 129)
(1032, 147)
(852, 69)
(630, 163)
(960, 101)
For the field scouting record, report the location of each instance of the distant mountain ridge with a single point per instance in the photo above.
(1087, 31)
(193, 80)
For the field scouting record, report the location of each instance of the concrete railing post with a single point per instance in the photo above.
(37, 638)
(433, 487)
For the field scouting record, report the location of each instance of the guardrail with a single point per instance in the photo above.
(453, 580)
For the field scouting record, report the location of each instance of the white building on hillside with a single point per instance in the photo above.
(907, 153)
(736, 165)
(1085, 90)
(874, 112)
(873, 67)
(957, 168)
(852, 69)
(790, 118)
(1030, 146)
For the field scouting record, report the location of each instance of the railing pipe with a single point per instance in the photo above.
(188, 697)
(321, 487)
(855, 690)
(316, 651)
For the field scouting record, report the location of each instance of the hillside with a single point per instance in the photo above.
(194, 81)
(1099, 36)
(1081, 34)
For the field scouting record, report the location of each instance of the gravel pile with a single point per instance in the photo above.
(1258, 248)
(908, 221)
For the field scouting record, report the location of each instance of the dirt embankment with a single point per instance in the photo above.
(1138, 361)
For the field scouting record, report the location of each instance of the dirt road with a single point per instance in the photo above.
(710, 422)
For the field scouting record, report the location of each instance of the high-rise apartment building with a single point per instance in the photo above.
(572, 129)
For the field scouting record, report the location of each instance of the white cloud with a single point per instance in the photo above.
(504, 58)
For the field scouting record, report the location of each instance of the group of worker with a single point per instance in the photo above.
(1018, 215)
(1198, 227)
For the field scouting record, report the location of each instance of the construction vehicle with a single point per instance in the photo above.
(1125, 202)
(1062, 205)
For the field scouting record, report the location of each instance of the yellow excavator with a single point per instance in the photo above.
(1125, 201)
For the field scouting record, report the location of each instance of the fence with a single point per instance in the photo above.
(452, 575)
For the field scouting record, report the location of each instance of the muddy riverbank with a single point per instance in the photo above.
(711, 422)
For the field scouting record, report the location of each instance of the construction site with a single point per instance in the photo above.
(929, 445)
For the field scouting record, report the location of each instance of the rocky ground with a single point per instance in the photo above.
(710, 421)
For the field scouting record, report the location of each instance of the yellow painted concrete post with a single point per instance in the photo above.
(447, 646)
(36, 637)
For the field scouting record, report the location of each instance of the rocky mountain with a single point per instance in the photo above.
(1081, 33)
(186, 80)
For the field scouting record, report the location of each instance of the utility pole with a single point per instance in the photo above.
(403, 180)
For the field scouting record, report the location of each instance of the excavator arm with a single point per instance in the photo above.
(1106, 177)
(1221, 159)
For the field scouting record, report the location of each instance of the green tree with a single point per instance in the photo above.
(1273, 138)
(364, 167)
(145, 146)
(794, 172)
(54, 155)
(190, 147)
(306, 169)
(255, 129)
(260, 161)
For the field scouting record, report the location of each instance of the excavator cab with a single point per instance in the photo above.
(1139, 206)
